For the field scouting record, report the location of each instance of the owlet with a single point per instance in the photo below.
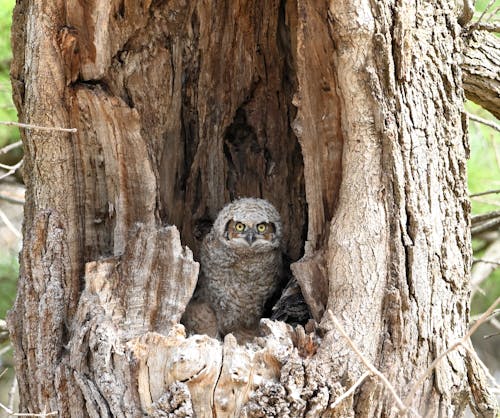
(241, 262)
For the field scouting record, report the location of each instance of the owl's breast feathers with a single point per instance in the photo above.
(238, 284)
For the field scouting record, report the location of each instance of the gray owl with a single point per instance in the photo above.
(241, 263)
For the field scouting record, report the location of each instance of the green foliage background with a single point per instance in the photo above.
(8, 261)
(7, 111)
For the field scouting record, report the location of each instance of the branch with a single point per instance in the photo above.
(489, 27)
(480, 260)
(486, 122)
(480, 272)
(460, 342)
(477, 317)
(41, 128)
(12, 169)
(491, 3)
(491, 224)
(481, 79)
(373, 370)
(19, 414)
(10, 147)
(350, 391)
(485, 193)
(477, 219)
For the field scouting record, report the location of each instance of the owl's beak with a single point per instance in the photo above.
(250, 237)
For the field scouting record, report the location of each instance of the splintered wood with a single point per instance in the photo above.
(135, 336)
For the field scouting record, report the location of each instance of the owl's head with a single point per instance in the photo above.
(249, 224)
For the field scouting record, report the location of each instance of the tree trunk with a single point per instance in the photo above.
(347, 117)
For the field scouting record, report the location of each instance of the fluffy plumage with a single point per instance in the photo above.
(241, 263)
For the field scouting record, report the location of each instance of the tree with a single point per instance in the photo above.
(347, 117)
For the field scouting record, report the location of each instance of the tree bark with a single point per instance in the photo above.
(481, 60)
(347, 117)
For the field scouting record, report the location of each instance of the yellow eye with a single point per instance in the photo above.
(239, 227)
(261, 228)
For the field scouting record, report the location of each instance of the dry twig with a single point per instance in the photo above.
(10, 147)
(480, 260)
(486, 122)
(20, 414)
(373, 370)
(404, 407)
(11, 169)
(485, 193)
(455, 345)
(480, 272)
(491, 3)
(350, 391)
(488, 27)
(41, 128)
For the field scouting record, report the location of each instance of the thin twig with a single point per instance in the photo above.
(350, 391)
(20, 414)
(484, 121)
(478, 220)
(491, 3)
(480, 260)
(485, 226)
(477, 317)
(9, 224)
(480, 272)
(41, 128)
(10, 147)
(488, 27)
(12, 169)
(401, 406)
(460, 342)
(485, 193)
(494, 13)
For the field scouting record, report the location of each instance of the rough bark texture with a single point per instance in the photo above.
(347, 117)
(481, 76)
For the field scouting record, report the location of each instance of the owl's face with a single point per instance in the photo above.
(251, 233)
(249, 225)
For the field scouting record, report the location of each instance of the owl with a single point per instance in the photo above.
(241, 263)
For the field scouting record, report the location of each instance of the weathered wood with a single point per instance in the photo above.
(126, 300)
(481, 61)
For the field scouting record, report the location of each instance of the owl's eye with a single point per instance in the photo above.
(261, 228)
(239, 227)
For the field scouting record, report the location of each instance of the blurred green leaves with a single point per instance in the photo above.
(8, 134)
